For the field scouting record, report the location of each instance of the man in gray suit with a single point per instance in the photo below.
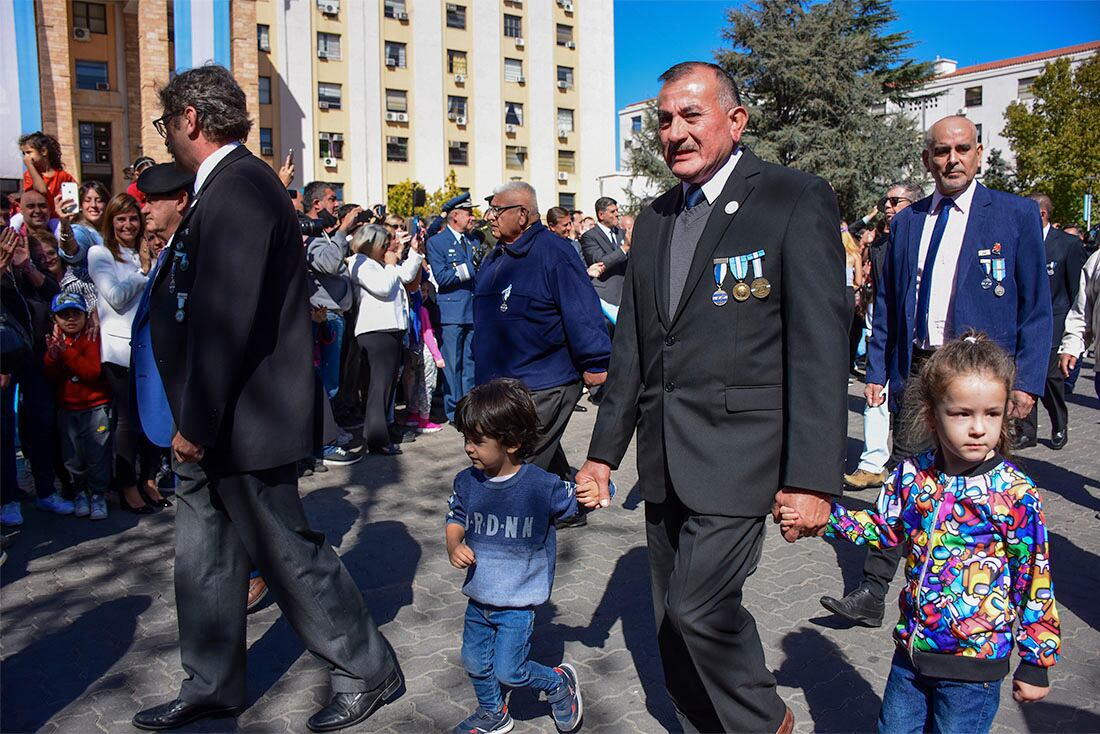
(605, 244)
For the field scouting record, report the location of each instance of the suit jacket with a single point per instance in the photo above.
(1065, 258)
(733, 402)
(597, 248)
(1019, 321)
(237, 369)
(454, 296)
(153, 409)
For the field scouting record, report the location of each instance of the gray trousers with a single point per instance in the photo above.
(555, 407)
(86, 447)
(225, 526)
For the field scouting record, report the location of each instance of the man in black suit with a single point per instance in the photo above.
(1065, 256)
(731, 360)
(230, 330)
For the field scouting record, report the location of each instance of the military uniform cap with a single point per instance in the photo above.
(462, 201)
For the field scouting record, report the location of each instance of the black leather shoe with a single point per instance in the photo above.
(579, 520)
(1059, 439)
(1023, 442)
(348, 709)
(861, 607)
(177, 713)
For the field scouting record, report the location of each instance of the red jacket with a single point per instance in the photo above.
(77, 372)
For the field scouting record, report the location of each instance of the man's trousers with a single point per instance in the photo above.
(458, 364)
(1053, 399)
(554, 406)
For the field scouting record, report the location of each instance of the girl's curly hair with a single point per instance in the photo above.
(46, 144)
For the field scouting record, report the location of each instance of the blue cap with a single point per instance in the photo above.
(66, 301)
(462, 201)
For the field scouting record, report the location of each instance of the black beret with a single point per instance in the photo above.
(164, 178)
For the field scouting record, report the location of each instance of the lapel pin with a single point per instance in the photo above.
(732, 207)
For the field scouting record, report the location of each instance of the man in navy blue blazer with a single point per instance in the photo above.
(966, 257)
(450, 256)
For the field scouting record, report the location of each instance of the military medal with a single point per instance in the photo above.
(720, 297)
(760, 286)
(987, 282)
(998, 269)
(739, 266)
(181, 301)
(504, 298)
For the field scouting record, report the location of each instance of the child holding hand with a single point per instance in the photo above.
(977, 560)
(500, 528)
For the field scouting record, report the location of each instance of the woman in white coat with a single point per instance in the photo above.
(382, 321)
(120, 271)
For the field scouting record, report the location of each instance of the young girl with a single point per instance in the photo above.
(44, 174)
(978, 557)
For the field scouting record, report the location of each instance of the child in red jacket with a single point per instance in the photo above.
(72, 363)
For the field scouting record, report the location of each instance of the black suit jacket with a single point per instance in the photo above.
(733, 402)
(1065, 258)
(597, 248)
(238, 369)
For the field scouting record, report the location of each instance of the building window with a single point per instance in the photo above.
(567, 201)
(565, 74)
(456, 107)
(395, 54)
(263, 37)
(338, 189)
(1023, 88)
(328, 46)
(636, 124)
(458, 153)
(397, 149)
(267, 147)
(565, 119)
(92, 16)
(397, 100)
(456, 16)
(565, 34)
(514, 156)
(973, 97)
(95, 152)
(393, 7)
(513, 113)
(513, 26)
(329, 96)
(456, 62)
(331, 145)
(979, 129)
(92, 75)
(567, 161)
(513, 70)
(265, 89)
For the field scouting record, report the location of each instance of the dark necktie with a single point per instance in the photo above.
(694, 197)
(924, 293)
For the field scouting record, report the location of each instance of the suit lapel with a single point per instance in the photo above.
(675, 200)
(921, 209)
(740, 184)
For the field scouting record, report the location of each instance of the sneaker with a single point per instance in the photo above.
(304, 469)
(413, 420)
(863, 479)
(11, 514)
(339, 456)
(56, 504)
(99, 508)
(80, 505)
(484, 722)
(565, 703)
(426, 426)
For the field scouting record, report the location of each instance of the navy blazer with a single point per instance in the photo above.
(455, 297)
(1065, 258)
(1019, 321)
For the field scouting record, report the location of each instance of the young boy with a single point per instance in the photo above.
(72, 363)
(501, 529)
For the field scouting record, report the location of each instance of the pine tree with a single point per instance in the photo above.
(645, 163)
(997, 174)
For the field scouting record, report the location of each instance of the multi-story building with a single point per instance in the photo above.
(362, 93)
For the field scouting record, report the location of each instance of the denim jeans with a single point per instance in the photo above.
(915, 703)
(495, 646)
(329, 367)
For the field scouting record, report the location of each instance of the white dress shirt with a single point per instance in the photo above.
(713, 188)
(607, 233)
(462, 271)
(210, 163)
(942, 295)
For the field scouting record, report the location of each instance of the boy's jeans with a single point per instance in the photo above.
(915, 703)
(495, 646)
(86, 446)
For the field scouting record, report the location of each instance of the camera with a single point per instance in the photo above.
(366, 217)
(311, 227)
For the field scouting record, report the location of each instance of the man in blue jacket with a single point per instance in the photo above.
(966, 257)
(450, 256)
(537, 318)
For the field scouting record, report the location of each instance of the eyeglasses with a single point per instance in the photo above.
(161, 124)
(892, 201)
(496, 211)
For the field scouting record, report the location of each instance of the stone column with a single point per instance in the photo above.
(56, 78)
(246, 60)
(147, 69)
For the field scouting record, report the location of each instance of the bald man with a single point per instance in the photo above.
(966, 257)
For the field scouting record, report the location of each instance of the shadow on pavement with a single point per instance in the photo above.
(1051, 478)
(1043, 716)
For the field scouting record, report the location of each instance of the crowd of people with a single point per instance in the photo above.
(135, 363)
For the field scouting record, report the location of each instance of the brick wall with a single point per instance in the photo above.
(245, 62)
(151, 32)
(55, 75)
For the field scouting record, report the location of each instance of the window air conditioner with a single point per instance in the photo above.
(402, 116)
(563, 176)
(570, 44)
(81, 34)
(328, 7)
(102, 87)
(628, 143)
(391, 62)
(266, 150)
(460, 120)
(322, 54)
(401, 16)
(391, 117)
(329, 162)
(322, 105)
(563, 132)
(510, 129)
(520, 43)
(563, 85)
(521, 79)
(567, 7)
(452, 116)
(460, 78)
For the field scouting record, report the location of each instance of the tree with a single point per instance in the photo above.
(400, 198)
(1057, 140)
(440, 196)
(645, 163)
(997, 174)
(815, 77)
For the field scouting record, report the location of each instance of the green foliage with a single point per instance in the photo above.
(439, 197)
(1057, 139)
(645, 161)
(997, 175)
(812, 76)
(400, 199)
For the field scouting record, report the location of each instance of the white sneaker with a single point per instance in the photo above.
(56, 504)
(99, 508)
(80, 505)
(11, 514)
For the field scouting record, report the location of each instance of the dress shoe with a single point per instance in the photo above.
(348, 709)
(257, 592)
(1058, 439)
(177, 713)
(861, 607)
(863, 479)
(391, 450)
(787, 725)
(1023, 442)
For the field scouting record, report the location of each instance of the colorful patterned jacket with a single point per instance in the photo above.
(978, 562)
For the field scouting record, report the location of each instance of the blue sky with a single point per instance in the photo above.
(651, 35)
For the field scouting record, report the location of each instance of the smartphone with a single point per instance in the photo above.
(70, 190)
(290, 156)
(415, 227)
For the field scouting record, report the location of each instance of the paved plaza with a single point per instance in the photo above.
(89, 626)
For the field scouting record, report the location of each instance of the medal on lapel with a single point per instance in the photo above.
(999, 276)
(181, 302)
(504, 298)
(760, 286)
(987, 281)
(739, 266)
(720, 297)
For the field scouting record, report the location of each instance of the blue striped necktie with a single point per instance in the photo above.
(924, 294)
